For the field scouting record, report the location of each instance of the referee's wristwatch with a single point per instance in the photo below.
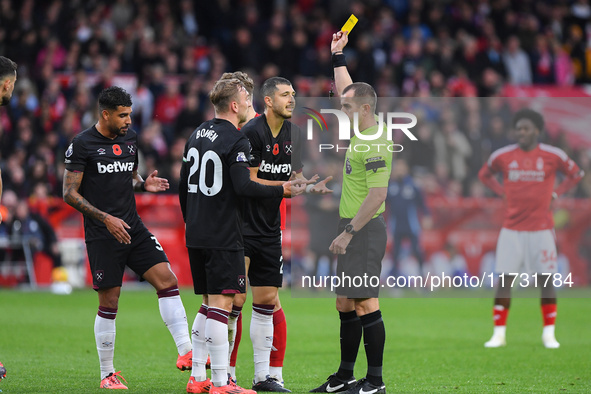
(349, 229)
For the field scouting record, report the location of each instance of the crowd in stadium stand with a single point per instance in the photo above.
(68, 51)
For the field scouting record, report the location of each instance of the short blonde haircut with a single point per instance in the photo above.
(224, 92)
(242, 77)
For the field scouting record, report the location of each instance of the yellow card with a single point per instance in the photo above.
(350, 24)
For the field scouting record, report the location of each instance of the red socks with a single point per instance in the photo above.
(500, 315)
(549, 314)
(236, 341)
(279, 339)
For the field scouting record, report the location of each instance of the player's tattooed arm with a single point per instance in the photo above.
(72, 181)
(116, 226)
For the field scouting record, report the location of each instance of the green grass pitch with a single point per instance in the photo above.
(432, 345)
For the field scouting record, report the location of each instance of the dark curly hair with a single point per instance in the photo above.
(113, 97)
(7, 67)
(527, 113)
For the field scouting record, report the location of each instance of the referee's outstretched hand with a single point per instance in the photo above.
(155, 184)
(320, 187)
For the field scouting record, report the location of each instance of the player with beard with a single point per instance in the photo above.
(100, 180)
(276, 144)
(7, 81)
(279, 322)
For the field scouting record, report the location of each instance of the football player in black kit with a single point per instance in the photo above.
(214, 177)
(7, 81)
(100, 180)
(276, 149)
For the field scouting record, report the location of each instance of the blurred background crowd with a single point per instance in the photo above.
(168, 54)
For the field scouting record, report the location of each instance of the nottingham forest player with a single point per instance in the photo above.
(526, 244)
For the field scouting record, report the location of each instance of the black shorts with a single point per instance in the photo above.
(360, 268)
(109, 257)
(217, 271)
(266, 261)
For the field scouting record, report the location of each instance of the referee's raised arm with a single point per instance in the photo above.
(342, 79)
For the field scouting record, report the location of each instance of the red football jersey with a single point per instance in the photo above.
(528, 183)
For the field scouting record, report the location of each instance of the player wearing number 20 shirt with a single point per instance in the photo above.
(214, 177)
(207, 175)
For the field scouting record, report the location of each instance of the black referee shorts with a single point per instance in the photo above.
(359, 269)
(108, 258)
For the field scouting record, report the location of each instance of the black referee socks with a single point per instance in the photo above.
(350, 339)
(374, 337)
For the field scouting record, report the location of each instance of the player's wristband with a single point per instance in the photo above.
(143, 186)
(309, 188)
(338, 60)
(554, 195)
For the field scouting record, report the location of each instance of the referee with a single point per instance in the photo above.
(361, 241)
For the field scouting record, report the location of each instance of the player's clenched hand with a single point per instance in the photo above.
(117, 228)
(339, 41)
(155, 184)
(340, 243)
(320, 187)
